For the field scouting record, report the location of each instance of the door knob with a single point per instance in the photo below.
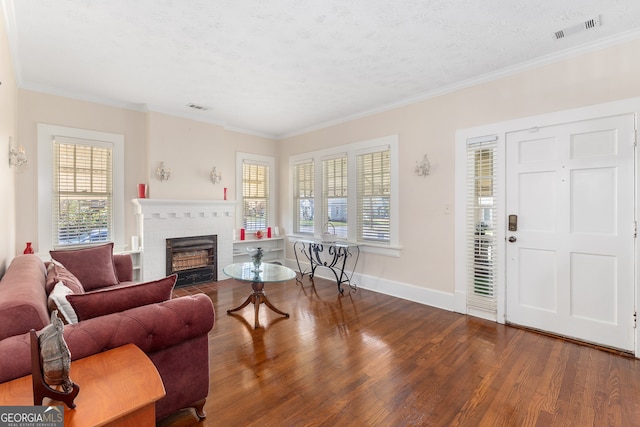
(512, 239)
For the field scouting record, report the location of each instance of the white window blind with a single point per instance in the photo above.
(335, 193)
(83, 192)
(481, 223)
(255, 196)
(303, 197)
(373, 195)
(355, 190)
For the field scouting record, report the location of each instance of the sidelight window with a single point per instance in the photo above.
(481, 223)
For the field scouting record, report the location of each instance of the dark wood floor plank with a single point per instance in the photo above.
(365, 359)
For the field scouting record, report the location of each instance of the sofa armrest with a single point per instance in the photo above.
(151, 327)
(15, 361)
(123, 264)
(23, 300)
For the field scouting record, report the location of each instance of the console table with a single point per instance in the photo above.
(332, 255)
(118, 387)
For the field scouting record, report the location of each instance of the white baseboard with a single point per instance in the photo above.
(406, 291)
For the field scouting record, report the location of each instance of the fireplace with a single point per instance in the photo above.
(193, 259)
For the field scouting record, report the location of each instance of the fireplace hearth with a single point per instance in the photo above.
(193, 259)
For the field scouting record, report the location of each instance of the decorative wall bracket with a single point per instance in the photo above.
(163, 173)
(423, 167)
(16, 158)
(216, 176)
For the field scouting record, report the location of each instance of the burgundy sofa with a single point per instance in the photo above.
(173, 333)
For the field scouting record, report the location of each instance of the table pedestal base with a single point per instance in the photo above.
(257, 297)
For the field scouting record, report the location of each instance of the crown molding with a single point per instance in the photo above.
(83, 97)
(195, 116)
(484, 78)
(10, 22)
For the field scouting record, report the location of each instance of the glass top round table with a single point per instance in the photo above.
(258, 275)
(263, 272)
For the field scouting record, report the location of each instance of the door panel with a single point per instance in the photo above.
(537, 284)
(570, 267)
(538, 211)
(591, 287)
(593, 201)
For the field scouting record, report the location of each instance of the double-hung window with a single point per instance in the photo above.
(374, 191)
(81, 198)
(82, 191)
(303, 197)
(335, 193)
(350, 190)
(256, 187)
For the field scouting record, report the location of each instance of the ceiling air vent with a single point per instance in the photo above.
(586, 25)
(198, 107)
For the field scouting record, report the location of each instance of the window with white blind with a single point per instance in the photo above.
(355, 191)
(481, 223)
(81, 197)
(256, 191)
(303, 197)
(335, 192)
(82, 191)
(374, 191)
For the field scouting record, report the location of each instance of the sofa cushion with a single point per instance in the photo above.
(123, 264)
(58, 301)
(57, 273)
(92, 266)
(107, 301)
(23, 301)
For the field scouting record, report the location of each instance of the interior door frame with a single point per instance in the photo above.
(500, 129)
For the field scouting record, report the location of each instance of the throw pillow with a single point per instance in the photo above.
(107, 301)
(58, 301)
(57, 273)
(92, 266)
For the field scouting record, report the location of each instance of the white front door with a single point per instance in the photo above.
(570, 246)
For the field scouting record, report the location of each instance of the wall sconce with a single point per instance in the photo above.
(16, 158)
(422, 168)
(216, 177)
(162, 172)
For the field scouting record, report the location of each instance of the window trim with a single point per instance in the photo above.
(273, 190)
(46, 135)
(352, 150)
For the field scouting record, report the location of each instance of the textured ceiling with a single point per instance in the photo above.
(282, 66)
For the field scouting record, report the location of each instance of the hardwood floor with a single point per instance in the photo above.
(367, 359)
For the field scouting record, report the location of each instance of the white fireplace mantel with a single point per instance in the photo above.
(150, 207)
(161, 219)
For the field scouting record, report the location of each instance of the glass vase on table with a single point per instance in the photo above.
(256, 258)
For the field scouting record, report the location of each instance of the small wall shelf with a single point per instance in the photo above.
(136, 258)
(273, 247)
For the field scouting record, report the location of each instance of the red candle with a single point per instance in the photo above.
(269, 232)
(242, 234)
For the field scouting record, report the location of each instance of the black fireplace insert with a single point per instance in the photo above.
(194, 259)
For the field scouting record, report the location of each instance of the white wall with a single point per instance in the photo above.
(425, 269)
(191, 149)
(188, 147)
(8, 107)
(35, 108)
